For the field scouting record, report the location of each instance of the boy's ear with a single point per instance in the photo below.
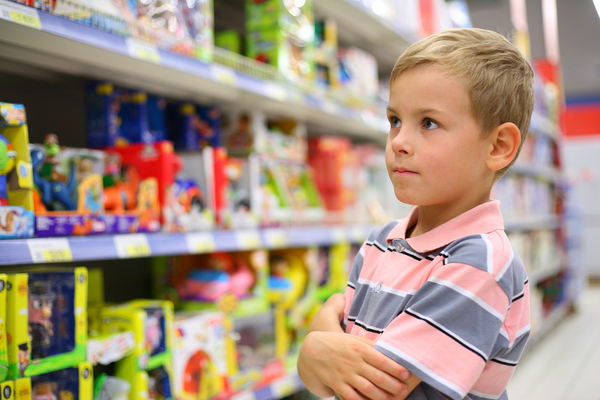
(504, 144)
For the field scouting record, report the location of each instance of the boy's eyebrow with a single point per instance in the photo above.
(419, 111)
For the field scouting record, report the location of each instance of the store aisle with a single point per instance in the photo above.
(564, 365)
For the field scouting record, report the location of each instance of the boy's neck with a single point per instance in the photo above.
(430, 217)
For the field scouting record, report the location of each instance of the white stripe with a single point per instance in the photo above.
(422, 367)
(520, 332)
(362, 251)
(450, 333)
(505, 268)
(504, 360)
(364, 326)
(490, 254)
(386, 289)
(485, 395)
(468, 295)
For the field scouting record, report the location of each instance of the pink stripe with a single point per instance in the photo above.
(441, 354)
(476, 281)
(493, 379)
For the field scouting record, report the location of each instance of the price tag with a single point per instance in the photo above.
(142, 50)
(275, 91)
(247, 395)
(50, 250)
(222, 74)
(276, 238)
(130, 246)
(200, 243)
(339, 235)
(330, 107)
(20, 14)
(248, 240)
(283, 387)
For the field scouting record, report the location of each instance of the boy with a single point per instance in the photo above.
(440, 295)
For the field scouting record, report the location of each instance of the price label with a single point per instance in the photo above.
(200, 243)
(247, 395)
(50, 250)
(248, 240)
(283, 387)
(275, 91)
(330, 107)
(20, 14)
(339, 235)
(223, 74)
(130, 246)
(142, 50)
(276, 238)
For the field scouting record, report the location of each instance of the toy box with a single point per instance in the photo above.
(199, 19)
(7, 390)
(3, 340)
(22, 389)
(194, 127)
(240, 199)
(70, 383)
(16, 181)
(157, 117)
(200, 356)
(326, 48)
(293, 56)
(255, 362)
(291, 17)
(149, 367)
(230, 40)
(103, 104)
(47, 322)
(191, 202)
(358, 75)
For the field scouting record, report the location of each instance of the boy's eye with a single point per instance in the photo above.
(430, 124)
(394, 122)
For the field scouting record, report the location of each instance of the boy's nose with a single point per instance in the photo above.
(400, 143)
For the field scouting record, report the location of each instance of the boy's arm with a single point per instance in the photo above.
(332, 361)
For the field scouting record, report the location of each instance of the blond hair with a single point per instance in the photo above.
(497, 77)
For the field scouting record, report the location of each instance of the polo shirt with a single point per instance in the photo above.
(451, 305)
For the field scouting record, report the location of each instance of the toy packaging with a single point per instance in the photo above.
(52, 332)
(194, 127)
(3, 340)
(326, 48)
(200, 356)
(358, 75)
(190, 203)
(22, 388)
(240, 198)
(16, 180)
(148, 369)
(257, 362)
(103, 104)
(229, 40)
(70, 383)
(7, 390)
(199, 19)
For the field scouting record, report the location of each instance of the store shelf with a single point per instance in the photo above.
(532, 222)
(106, 247)
(360, 26)
(278, 389)
(541, 125)
(53, 43)
(537, 276)
(548, 173)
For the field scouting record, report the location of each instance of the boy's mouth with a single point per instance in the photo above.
(400, 170)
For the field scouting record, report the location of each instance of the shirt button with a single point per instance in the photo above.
(378, 287)
(399, 247)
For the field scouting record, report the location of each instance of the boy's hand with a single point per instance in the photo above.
(347, 365)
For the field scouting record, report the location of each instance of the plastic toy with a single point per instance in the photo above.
(41, 298)
(17, 325)
(55, 195)
(326, 43)
(168, 20)
(111, 388)
(224, 274)
(7, 164)
(120, 185)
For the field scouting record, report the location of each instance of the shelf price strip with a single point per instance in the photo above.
(20, 14)
(248, 239)
(131, 246)
(50, 250)
(200, 243)
(223, 75)
(142, 50)
(276, 238)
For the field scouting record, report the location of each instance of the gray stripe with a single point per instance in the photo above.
(512, 282)
(465, 320)
(374, 309)
(470, 250)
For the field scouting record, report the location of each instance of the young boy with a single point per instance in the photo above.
(437, 304)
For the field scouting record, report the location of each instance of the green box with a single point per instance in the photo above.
(281, 14)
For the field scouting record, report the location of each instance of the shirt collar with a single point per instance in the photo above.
(484, 218)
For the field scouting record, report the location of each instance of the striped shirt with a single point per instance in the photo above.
(451, 305)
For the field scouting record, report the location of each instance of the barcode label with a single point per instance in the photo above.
(131, 246)
(6, 15)
(49, 250)
(20, 14)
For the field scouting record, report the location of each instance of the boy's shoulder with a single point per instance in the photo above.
(378, 236)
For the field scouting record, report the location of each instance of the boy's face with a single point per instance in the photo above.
(435, 154)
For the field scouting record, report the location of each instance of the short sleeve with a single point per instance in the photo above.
(448, 330)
